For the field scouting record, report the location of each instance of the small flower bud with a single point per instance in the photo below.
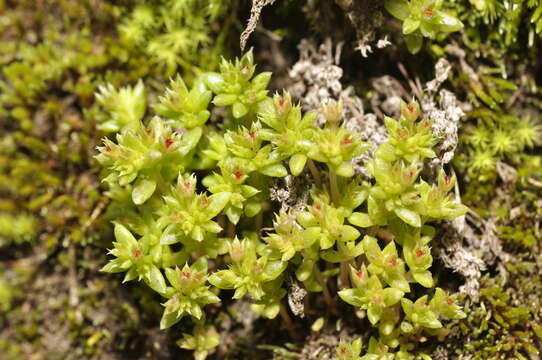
(283, 104)
(359, 277)
(409, 176)
(284, 223)
(186, 186)
(238, 176)
(393, 261)
(428, 12)
(185, 276)
(204, 200)
(410, 111)
(333, 111)
(237, 250)
(445, 182)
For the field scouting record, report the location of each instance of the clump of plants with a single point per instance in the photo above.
(49, 69)
(190, 187)
(506, 139)
(505, 17)
(502, 129)
(53, 55)
(422, 18)
(17, 228)
(179, 33)
(192, 175)
(504, 322)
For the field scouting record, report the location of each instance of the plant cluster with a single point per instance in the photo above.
(191, 197)
(194, 180)
(504, 323)
(422, 18)
(507, 18)
(496, 133)
(49, 69)
(178, 32)
(52, 56)
(17, 228)
(506, 139)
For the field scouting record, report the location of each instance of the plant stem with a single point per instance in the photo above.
(345, 281)
(315, 174)
(307, 308)
(327, 296)
(222, 221)
(385, 235)
(334, 188)
(258, 221)
(231, 230)
(288, 322)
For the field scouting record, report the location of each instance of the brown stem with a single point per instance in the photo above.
(258, 221)
(222, 221)
(327, 296)
(288, 323)
(345, 280)
(315, 174)
(231, 230)
(307, 308)
(384, 234)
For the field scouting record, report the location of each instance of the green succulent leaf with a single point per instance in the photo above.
(360, 219)
(411, 217)
(154, 278)
(143, 190)
(424, 278)
(398, 8)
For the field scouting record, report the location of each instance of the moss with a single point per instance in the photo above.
(186, 34)
(503, 323)
(17, 228)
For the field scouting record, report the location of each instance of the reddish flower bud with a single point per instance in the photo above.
(410, 111)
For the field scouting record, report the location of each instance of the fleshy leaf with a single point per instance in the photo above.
(143, 190)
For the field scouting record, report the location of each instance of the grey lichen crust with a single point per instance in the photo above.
(445, 113)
